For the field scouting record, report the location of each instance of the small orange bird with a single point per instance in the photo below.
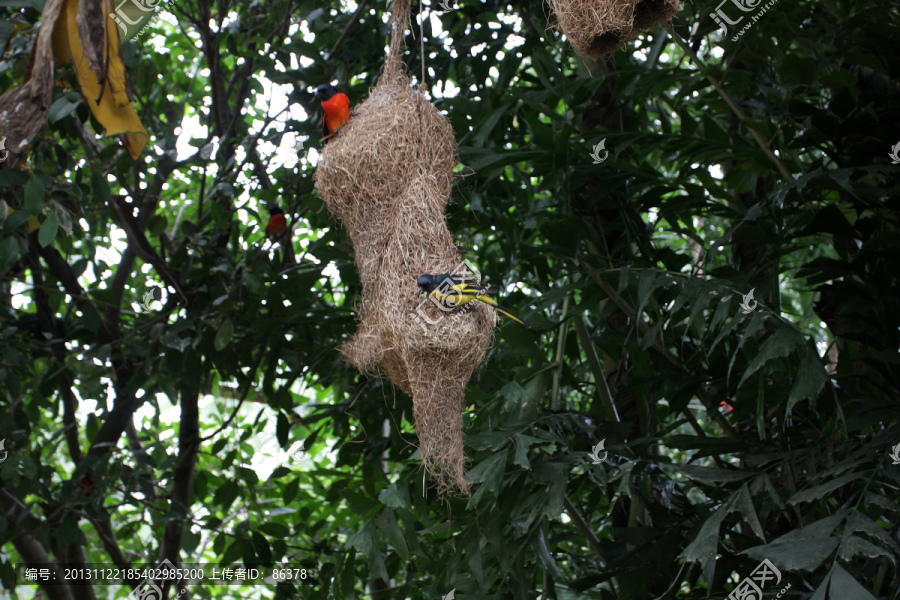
(277, 222)
(87, 483)
(336, 108)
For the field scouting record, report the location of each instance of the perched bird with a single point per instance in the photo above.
(277, 222)
(336, 109)
(86, 483)
(458, 290)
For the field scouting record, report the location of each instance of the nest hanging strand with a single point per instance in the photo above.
(387, 176)
(393, 67)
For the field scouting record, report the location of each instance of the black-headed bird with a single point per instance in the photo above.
(336, 109)
(277, 222)
(457, 290)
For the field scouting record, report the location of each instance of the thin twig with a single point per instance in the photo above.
(262, 352)
(560, 348)
(582, 525)
(594, 363)
(350, 23)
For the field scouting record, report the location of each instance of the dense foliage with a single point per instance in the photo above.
(732, 436)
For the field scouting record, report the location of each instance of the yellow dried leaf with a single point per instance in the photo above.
(113, 110)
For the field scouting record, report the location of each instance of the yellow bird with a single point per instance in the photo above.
(457, 290)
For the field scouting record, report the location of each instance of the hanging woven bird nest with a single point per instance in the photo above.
(599, 27)
(387, 177)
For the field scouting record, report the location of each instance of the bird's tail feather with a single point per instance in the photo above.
(512, 316)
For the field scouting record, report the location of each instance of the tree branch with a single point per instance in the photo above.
(66, 276)
(188, 449)
(33, 555)
(140, 245)
(58, 349)
(597, 369)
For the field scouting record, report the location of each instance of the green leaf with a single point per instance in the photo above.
(810, 379)
(821, 591)
(348, 576)
(218, 445)
(360, 503)
(100, 188)
(69, 532)
(16, 219)
(388, 526)
(366, 542)
(233, 552)
(820, 491)
(542, 550)
(90, 316)
(282, 429)
(805, 555)
(488, 440)
(48, 231)
(226, 494)
(646, 284)
(277, 530)
(290, 491)
(158, 224)
(279, 472)
(61, 108)
(703, 548)
(819, 529)
(261, 547)
(744, 504)
(248, 553)
(844, 587)
(806, 548)
(34, 196)
(489, 473)
(393, 498)
(249, 476)
(859, 522)
(723, 311)
(696, 320)
(9, 252)
(523, 443)
(779, 345)
(486, 125)
(10, 178)
(223, 335)
(514, 394)
(856, 546)
(189, 541)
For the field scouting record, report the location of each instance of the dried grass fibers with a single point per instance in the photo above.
(387, 177)
(599, 27)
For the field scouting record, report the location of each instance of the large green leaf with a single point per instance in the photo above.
(366, 542)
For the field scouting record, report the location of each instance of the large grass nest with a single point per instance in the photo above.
(596, 28)
(387, 177)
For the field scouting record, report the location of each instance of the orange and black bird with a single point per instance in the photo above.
(457, 290)
(86, 483)
(335, 109)
(277, 222)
